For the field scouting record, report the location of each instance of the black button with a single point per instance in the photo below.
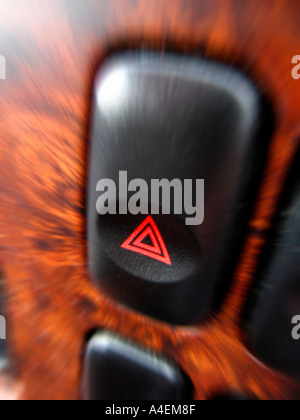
(274, 317)
(117, 370)
(181, 120)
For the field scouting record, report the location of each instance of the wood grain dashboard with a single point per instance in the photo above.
(53, 49)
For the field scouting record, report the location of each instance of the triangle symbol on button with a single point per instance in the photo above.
(148, 233)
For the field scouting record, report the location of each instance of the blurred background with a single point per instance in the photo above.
(247, 345)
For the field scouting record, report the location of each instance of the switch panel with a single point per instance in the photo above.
(117, 370)
(176, 151)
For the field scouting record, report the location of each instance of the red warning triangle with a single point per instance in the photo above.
(157, 250)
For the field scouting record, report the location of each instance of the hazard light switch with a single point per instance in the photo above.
(155, 247)
(177, 146)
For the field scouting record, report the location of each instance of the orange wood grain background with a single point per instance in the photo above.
(53, 49)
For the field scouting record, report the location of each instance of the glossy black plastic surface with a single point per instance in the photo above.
(117, 370)
(173, 117)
